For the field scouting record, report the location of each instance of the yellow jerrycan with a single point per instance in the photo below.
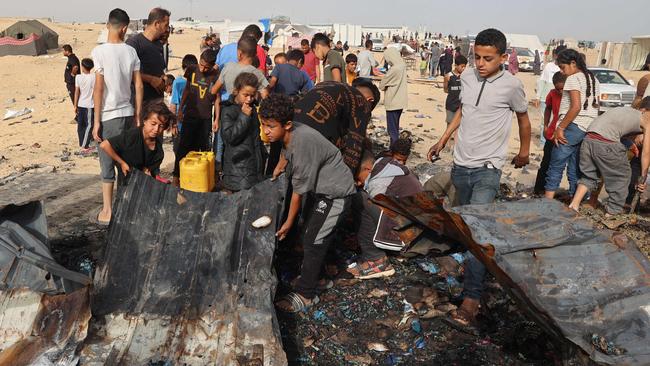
(197, 171)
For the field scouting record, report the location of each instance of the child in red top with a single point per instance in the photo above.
(553, 100)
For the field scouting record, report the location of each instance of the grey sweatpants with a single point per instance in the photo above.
(111, 128)
(609, 161)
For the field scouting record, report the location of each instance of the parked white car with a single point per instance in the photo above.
(615, 91)
(377, 44)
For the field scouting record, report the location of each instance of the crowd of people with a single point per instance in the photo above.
(311, 126)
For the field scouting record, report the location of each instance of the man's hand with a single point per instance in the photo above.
(96, 136)
(284, 230)
(138, 122)
(435, 150)
(76, 110)
(520, 161)
(536, 103)
(158, 83)
(641, 187)
(125, 168)
(558, 137)
(174, 130)
(215, 125)
(279, 168)
(247, 109)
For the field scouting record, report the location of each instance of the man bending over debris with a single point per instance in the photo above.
(604, 155)
(390, 176)
(318, 173)
(488, 97)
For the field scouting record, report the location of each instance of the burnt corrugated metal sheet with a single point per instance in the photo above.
(44, 308)
(187, 279)
(575, 280)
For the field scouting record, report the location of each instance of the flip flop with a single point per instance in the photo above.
(458, 320)
(297, 303)
(93, 217)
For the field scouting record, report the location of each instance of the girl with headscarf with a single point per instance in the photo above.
(537, 64)
(513, 62)
(395, 94)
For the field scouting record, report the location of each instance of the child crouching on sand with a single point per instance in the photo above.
(141, 147)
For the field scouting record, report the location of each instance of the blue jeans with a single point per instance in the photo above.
(565, 156)
(392, 124)
(475, 186)
(217, 146)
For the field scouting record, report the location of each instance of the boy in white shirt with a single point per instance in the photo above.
(83, 103)
(117, 66)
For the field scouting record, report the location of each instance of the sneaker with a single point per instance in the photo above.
(371, 269)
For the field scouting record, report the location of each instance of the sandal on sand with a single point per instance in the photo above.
(461, 320)
(296, 303)
(94, 218)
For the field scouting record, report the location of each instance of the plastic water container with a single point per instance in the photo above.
(197, 172)
(209, 156)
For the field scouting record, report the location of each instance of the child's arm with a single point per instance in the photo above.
(336, 74)
(108, 149)
(547, 115)
(76, 100)
(294, 206)
(572, 113)
(217, 111)
(524, 137)
(272, 82)
(139, 92)
(98, 97)
(451, 128)
(445, 84)
(216, 87)
(235, 126)
(181, 107)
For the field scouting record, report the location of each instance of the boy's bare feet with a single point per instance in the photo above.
(294, 303)
(104, 217)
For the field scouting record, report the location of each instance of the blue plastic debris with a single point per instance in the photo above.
(416, 326)
(459, 257)
(420, 343)
(429, 267)
(319, 315)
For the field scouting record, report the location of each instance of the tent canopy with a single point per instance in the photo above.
(24, 28)
(30, 46)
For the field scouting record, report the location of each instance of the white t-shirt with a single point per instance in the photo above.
(116, 62)
(578, 82)
(86, 84)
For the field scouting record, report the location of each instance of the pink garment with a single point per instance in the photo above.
(513, 62)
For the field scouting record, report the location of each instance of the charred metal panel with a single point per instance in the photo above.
(187, 279)
(580, 283)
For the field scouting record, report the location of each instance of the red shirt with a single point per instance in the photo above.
(261, 55)
(553, 99)
(310, 65)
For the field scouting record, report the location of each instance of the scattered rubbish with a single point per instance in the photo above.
(377, 292)
(262, 222)
(570, 255)
(439, 109)
(378, 347)
(319, 315)
(65, 155)
(361, 359)
(420, 342)
(431, 100)
(36, 145)
(429, 267)
(31, 97)
(413, 110)
(14, 123)
(44, 120)
(606, 347)
(419, 125)
(10, 101)
(16, 113)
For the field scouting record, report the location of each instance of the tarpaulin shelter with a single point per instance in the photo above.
(25, 28)
(30, 46)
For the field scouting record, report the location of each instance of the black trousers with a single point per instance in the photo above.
(369, 219)
(540, 181)
(194, 136)
(322, 215)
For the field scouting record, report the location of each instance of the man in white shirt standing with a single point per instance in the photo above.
(116, 66)
(366, 61)
(544, 86)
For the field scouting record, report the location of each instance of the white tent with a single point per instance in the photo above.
(529, 41)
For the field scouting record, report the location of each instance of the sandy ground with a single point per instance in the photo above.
(47, 135)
